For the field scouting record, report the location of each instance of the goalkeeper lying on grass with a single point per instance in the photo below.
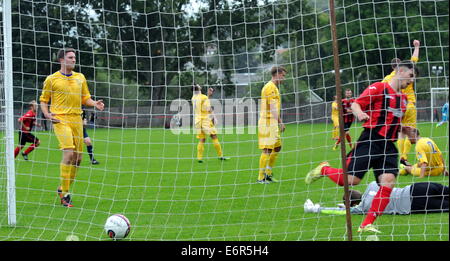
(421, 197)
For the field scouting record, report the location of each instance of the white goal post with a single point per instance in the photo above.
(438, 97)
(7, 111)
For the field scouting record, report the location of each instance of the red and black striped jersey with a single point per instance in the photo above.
(385, 108)
(347, 105)
(28, 120)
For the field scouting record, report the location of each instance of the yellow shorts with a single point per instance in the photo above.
(410, 117)
(430, 171)
(268, 134)
(205, 127)
(69, 132)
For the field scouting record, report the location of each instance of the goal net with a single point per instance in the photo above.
(142, 59)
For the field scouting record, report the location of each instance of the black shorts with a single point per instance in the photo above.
(428, 197)
(85, 135)
(25, 137)
(347, 126)
(372, 151)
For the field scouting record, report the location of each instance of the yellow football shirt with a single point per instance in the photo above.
(269, 95)
(428, 152)
(66, 93)
(409, 90)
(201, 107)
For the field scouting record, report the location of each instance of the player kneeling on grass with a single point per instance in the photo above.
(429, 157)
(418, 198)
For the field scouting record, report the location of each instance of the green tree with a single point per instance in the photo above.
(147, 45)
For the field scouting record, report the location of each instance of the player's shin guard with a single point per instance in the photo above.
(65, 171)
(272, 158)
(217, 146)
(271, 163)
(200, 150)
(400, 146)
(263, 161)
(379, 204)
(73, 173)
(336, 175)
(349, 139)
(16, 151)
(337, 142)
(406, 148)
(30, 149)
(90, 150)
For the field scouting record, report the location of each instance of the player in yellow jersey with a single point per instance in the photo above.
(335, 120)
(67, 91)
(410, 117)
(270, 125)
(204, 122)
(429, 159)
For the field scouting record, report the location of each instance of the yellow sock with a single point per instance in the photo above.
(200, 150)
(402, 171)
(217, 146)
(65, 171)
(269, 171)
(263, 161)
(73, 173)
(406, 148)
(272, 159)
(400, 146)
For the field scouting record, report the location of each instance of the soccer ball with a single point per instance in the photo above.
(117, 226)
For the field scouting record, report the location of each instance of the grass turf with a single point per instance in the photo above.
(152, 177)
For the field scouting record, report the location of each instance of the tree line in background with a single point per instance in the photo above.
(137, 53)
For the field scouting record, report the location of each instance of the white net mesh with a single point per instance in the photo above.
(142, 58)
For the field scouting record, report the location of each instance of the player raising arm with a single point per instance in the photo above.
(410, 118)
(67, 91)
(381, 106)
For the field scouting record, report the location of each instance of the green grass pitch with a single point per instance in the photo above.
(150, 176)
